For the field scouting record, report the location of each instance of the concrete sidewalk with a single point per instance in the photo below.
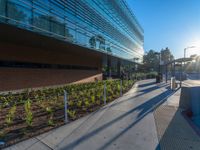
(126, 124)
(174, 131)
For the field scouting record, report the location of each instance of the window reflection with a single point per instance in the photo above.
(41, 22)
(16, 13)
(103, 25)
(2, 7)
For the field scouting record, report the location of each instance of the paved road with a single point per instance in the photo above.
(126, 124)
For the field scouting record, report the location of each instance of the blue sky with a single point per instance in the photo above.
(169, 23)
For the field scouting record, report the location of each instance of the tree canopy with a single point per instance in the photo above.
(166, 55)
(151, 59)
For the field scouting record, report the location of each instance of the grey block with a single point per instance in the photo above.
(185, 98)
(195, 100)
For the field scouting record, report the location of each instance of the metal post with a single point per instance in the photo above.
(166, 75)
(198, 63)
(65, 103)
(184, 55)
(181, 75)
(120, 87)
(159, 63)
(171, 71)
(104, 94)
(174, 71)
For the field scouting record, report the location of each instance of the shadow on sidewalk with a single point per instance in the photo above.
(142, 92)
(143, 109)
(175, 133)
(147, 84)
(162, 137)
(153, 88)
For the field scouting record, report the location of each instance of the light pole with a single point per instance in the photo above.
(185, 49)
(189, 47)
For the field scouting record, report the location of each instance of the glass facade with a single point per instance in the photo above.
(103, 25)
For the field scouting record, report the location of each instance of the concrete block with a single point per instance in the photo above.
(195, 100)
(185, 98)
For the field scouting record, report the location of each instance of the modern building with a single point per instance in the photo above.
(54, 42)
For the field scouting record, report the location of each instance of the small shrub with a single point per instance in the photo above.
(71, 113)
(10, 116)
(28, 113)
(87, 103)
(71, 103)
(79, 104)
(50, 121)
(98, 102)
(49, 110)
(93, 99)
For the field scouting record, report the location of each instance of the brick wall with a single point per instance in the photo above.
(21, 78)
(15, 52)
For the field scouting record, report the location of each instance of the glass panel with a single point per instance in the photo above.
(68, 35)
(2, 9)
(57, 26)
(114, 66)
(99, 24)
(44, 3)
(41, 22)
(70, 31)
(81, 38)
(15, 13)
(72, 35)
(19, 14)
(104, 65)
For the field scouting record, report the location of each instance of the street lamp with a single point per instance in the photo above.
(185, 49)
(189, 47)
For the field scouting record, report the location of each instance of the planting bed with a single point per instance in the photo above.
(30, 113)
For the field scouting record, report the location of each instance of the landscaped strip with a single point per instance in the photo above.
(32, 112)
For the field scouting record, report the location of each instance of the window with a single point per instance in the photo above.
(57, 26)
(2, 7)
(20, 13)
(41, 21)
(107, 26)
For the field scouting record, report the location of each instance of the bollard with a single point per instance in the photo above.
(104, 94)
(120, 87)
(65, 103)
(173, 83)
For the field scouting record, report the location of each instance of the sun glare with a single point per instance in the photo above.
(195, 49)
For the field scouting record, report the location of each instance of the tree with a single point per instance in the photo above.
(166, 55)
(97, 42)
(109, 50)
(151, 61)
